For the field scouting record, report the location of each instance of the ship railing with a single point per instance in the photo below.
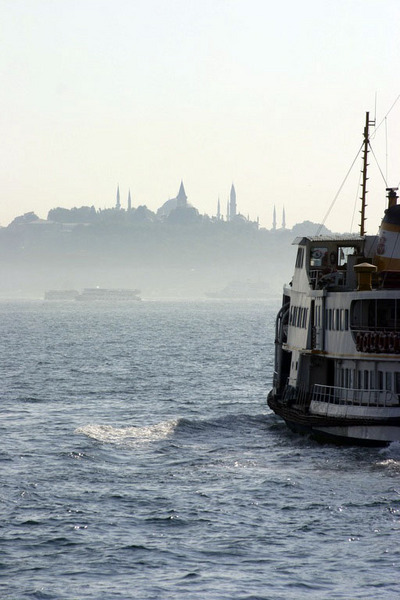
(320, 278)
(354, 397)
(376, 329)
(299, 396)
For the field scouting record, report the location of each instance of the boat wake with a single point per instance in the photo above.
(128, 435)
(390, 457)
(132, 436)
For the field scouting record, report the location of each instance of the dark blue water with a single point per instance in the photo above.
(139, 460)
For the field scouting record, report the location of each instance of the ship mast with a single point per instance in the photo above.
(364, 173)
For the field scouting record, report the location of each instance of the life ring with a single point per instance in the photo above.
(391, 342)
(396, 343)
(359, 341)
(366, 342)
(374, 342)
(383, 342)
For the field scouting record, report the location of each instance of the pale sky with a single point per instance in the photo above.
(270, 96)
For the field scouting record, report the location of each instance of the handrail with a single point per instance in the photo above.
(354, 397)
(333, 278)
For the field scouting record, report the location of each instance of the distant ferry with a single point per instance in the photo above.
(108, 295)
(337, 335)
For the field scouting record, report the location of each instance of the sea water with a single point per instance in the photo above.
(139, 460)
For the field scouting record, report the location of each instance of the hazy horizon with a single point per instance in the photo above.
(143, 95)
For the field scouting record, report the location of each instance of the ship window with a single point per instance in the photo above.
(388, 381)
(319, 257)
(381, 314)
(299, 315)
(380, 380)
(337, 319)
(372, 380)
(300, 258)
(344, 253)
(346, 319)
(397, 382)
(366, 380)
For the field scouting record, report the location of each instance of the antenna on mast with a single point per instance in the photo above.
(364, 173)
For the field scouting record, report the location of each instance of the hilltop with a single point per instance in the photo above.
(174, 252)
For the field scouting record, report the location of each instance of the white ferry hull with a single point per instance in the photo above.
(356, 430)
(355, 435)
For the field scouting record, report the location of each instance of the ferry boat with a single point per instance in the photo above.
(108, 295)
(337, 335)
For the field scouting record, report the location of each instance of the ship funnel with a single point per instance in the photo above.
(387, 255)
(392, 196)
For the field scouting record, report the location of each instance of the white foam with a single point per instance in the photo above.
(391, 457)
(128, 435)
(392, 451)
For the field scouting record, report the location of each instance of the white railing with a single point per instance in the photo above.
(354, 397)
(317, 277)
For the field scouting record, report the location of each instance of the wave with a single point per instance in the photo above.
(128, 435)
(159, 431)
(390, 457)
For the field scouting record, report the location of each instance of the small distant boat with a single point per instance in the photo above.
(337, 335)
(108, 295)
(61, 295)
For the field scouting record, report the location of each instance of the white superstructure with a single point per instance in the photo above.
(337, 346)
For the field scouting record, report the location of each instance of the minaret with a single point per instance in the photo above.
(118, 204)
(227, 211)
(232, 204)
(274, 219)
(218, 211)
(129, 201)
(283, 219)
(181, 197)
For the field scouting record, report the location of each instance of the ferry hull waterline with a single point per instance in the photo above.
(337, 334)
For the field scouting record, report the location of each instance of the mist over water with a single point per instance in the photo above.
(140, 461)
